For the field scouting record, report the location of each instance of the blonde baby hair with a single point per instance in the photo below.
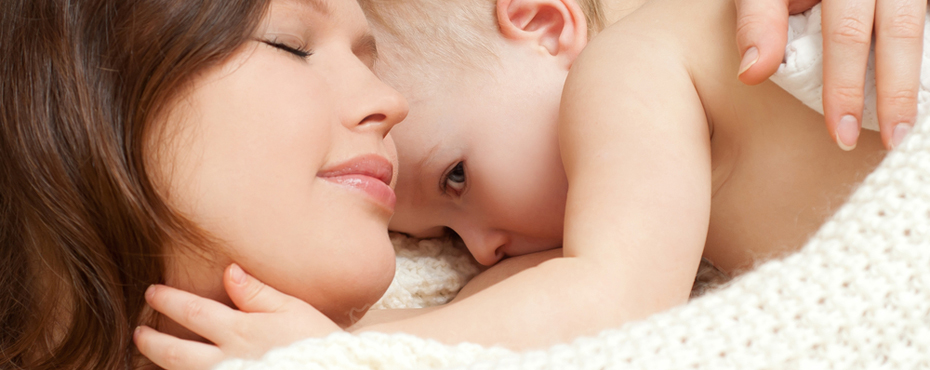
(450, 33)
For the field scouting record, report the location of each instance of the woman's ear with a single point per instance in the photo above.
(557, 26)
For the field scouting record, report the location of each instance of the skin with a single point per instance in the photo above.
(248, 154)
(666, 175)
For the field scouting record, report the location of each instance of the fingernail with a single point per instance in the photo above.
(900, 131)
(150, 292)
(750, 57)
(135, 333)
(236, 273)
(847, 133)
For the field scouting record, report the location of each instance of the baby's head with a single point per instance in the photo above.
(479, 149)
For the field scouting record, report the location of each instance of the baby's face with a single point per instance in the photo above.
(481, 157)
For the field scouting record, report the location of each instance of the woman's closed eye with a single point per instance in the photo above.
(298, 51)
(454, 180)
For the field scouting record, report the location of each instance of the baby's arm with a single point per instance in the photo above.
(493, 275)
(636, 149)
(268, 318)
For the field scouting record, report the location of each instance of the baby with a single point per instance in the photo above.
(639, 156)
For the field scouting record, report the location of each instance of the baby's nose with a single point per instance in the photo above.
(486, 246)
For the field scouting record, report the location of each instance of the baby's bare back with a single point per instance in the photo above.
(777, 175)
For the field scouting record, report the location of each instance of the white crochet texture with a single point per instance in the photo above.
(857, 296)
(429, 272)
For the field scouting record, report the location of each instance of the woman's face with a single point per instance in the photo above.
(282, 154)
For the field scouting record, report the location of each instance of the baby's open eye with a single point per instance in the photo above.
(455, 179)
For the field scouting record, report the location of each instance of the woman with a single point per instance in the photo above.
(153, 142)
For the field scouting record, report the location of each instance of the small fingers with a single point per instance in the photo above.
(899, 28)
(251, 295)
(847, 33)
(172, 353)
(761, 35)
(208, 318)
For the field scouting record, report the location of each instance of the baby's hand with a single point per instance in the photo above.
(848, 26)
(267, 319)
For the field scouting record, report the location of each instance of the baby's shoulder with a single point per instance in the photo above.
(631, 55)
(692, 33)
(671, 45)
(636, 66)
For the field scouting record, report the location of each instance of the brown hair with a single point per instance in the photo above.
(82, 229)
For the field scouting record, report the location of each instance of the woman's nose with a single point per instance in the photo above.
(374, 105)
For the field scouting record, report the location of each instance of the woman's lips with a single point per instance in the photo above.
(369, 173)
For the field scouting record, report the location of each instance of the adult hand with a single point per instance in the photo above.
(847, 31)
(267, 319)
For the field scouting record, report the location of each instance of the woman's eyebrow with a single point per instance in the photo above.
(366, 46)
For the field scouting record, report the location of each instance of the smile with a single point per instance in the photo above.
(369, 173)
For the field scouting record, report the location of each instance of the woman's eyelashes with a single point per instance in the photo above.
(454, 180)
(300, 52)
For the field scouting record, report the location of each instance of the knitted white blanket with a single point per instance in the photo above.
(856, 296)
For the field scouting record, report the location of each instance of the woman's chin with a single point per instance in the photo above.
(359, 289)
(355, 307)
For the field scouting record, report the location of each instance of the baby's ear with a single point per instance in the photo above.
(558, 26)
